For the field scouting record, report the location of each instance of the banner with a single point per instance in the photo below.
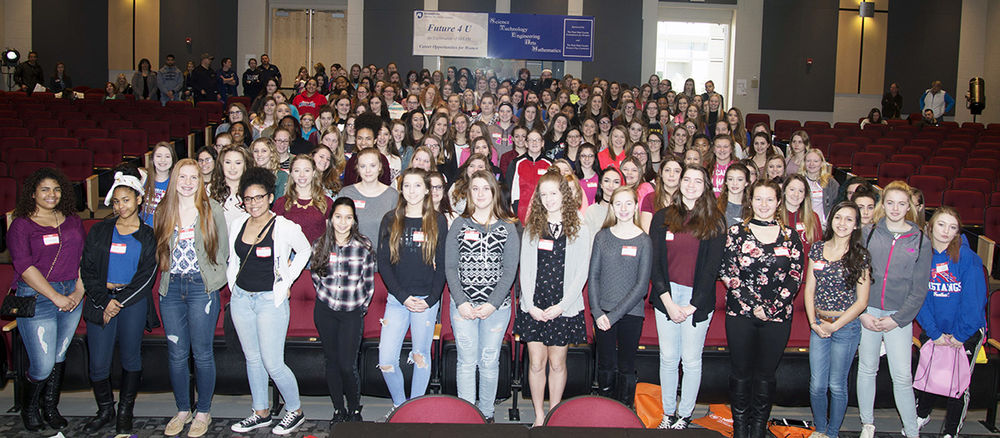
(437, 33)
(507, 36)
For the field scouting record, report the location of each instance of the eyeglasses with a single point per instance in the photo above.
(206, 160)
(233, 113)
(281, 140)
(437, 187)
(254, 199)
(586, 155)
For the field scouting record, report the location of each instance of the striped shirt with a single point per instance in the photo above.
(350, 282)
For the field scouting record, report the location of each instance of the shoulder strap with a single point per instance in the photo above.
(869, 240)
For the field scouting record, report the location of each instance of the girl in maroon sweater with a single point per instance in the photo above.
(305, 202)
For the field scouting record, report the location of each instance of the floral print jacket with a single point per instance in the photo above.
(759, 274)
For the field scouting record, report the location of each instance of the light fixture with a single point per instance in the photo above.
(867, 9)
(10, 57)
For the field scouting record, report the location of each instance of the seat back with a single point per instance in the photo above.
(933, 187)
(134, 142)
(978, 184)
(932, 169)
(915, 160)
(970, 204)
(76, 163)
(53, 143)
(987, 173)
(107, 151)
(865, 164)
(592, 411)
(889, 172)
(436, 408)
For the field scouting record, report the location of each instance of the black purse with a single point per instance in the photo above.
(24, 307)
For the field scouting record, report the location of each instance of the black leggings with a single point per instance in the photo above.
(957, 406)
(340, 334)
(617, 347)
(755, 346)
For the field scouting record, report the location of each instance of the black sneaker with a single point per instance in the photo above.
(490, 420)
(290, 423)
(354, 416)
(252, 422)
(681, 423)
(667, 422)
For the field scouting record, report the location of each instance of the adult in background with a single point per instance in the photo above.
(170, 80)
(251, 80)
(203, 80)
(269, 71)
(29, 73)
(228, 80)
(892, 102)
(144, 81)
(937, 100)
(60, 81)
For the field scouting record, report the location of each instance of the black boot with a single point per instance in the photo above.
(626, 389)
(105, 406)
(739, 404)
(355, 415)
(606, 383)
(29, 405)
(126, 401)
(50, 398)
(760, 408)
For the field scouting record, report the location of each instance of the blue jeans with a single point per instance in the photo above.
(680, 344)
(126, 328)
(190, 315)
(47, 335)
(829, 364)
(898, 350)
(262, 328)
(478, 342)
(395, 321)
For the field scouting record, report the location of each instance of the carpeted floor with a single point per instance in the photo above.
(11, 427)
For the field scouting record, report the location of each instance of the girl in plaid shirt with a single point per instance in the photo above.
(343, 272)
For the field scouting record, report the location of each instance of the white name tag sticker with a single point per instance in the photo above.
(669, 236)
(471, 235)
(333, 257)
(941, 267)
(118, 248)
(592, 185)
(359, 204)
(781, 251)
(263, 251)
(818, 265)
(545, 244)
(186, 234)
(50, 239)
(418, 236)
(542, 171)
(629, 251)
(799, 226)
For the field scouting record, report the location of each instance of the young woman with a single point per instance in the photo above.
(566, 170)
(692, 157)
(191, 252)
(838, 279)
(667, 182)
(722, 146)
(632, 170)
(265, 118)
(411, 262)
(157, 178)
(615, 152)
(734, 194)
(265, 154)
(775, 168)
(46, 241)
(640, 151)
(654, 142)
(636, 133)
(797, 148)
(523, 174)
(386, 147)
(609, 179)
(233, 162)
(555, 250)
(587, 171)
(343, 272)
(305, 204)
(688, 238)
(758, 307)
(266, 254)
(822, 185)
(901, 264)
(206, 156)
(604, 131)
(555, 136)
(865, 198)
(457, 194)
(734, 118)
(482, 251)
(874, 118)
(761, 149)
(589, 130)
(952, 314)
(328, 171)
(529, 117)
(574, 139)
(118, 269)
(519, 142)
(796, 211)
(619, 279)
(439, 198)
(917, 199)
(372, 198)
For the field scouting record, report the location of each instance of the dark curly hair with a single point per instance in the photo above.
(257, 176)
(26, 205)
(857, 260)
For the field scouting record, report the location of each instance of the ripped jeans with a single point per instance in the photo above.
(47, 335)
(478, 344)
(395, 321)
(190, 315)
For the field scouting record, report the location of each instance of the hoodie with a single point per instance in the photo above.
(956, 296)
(900, 266)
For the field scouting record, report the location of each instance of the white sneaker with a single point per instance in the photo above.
(817, 435)
(922, 421)
(290, 423)
(867, 431)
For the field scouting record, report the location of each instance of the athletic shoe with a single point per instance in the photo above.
(922, 421)
(667, 422)
(252, 422)
(867, 431)
(681, 423)
(290, 423)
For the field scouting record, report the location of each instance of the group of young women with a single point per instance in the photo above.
(481, 200)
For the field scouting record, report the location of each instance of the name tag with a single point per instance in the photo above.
(359, 204)
(333, 258)
(781, 251)
(186, 234)
(50, 239)
(629, 251)
(669, 236)
(542, 171)
(471, 235)
(263, 251)
(799, 226)
(118, 248)
(418, 236)
(592, 185)
(819, 265)
(545, 244)
(941, 267)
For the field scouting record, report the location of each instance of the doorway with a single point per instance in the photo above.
(303, 37)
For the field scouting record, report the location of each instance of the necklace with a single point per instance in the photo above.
(763, 223)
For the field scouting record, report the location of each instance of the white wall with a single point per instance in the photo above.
(251, 32)
(17, 25)
(971, 54)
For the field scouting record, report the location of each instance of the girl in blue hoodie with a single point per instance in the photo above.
(954, 311)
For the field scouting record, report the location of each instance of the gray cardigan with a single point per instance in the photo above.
(574, 271)
(901, 268)
(478, 269)
(619, 279)
(150, 81)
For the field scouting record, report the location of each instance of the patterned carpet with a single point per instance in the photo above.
(11, 427)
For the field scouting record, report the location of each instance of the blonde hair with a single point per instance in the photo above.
(272, 164)
(902, 186)
(610, 219)
(805, 209)
(167, 218)
(825, 170)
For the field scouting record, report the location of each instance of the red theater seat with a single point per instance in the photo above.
(43, 132)
(107, 151)
(301, 300)
(73, 125)
(592, 411)
(865, 164)
(437, 408)
(156, 131)
(16, 156)
(989, 174)
(53, 143)
(992, 228)
(755, 118)
(978, 184)
(13, 131)
(87, 133)
(986, 163)
(76, 163)
(134, 142)
(914, 160)
(931, 169)
(889, 172)
(971, 205)
(933, 187)
(841, 153)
